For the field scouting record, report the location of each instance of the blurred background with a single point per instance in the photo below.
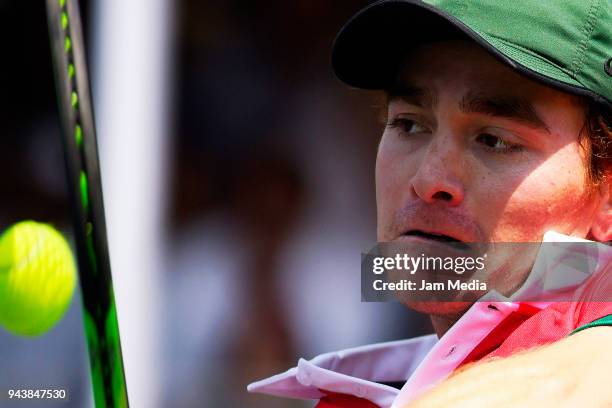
(239, 189)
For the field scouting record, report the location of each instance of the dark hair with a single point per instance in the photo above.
(598, 129)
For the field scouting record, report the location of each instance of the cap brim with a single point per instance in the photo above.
(369, 48)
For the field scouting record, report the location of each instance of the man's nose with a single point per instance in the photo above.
(438, 178)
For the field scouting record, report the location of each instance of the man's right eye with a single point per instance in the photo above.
(406, 125)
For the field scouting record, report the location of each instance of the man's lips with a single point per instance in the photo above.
(435, 236)
(454, 237)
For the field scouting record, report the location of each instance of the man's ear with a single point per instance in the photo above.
(601, 230)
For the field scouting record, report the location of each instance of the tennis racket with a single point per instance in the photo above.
(83, 172)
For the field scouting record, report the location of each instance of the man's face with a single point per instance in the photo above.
(478, 153)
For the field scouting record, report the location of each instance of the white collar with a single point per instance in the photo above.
(355, 371)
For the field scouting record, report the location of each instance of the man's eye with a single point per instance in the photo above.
(406, 125)
(498, 144)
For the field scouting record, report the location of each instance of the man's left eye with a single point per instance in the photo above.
(497, 143)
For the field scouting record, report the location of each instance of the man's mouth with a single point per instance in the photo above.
(432, 236)
(438, 238)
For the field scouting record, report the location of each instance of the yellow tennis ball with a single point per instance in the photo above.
(37, 278)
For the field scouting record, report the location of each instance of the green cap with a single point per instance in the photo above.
(566, 44)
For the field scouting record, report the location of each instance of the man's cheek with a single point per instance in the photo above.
(392, 191)
(533, 208)
(388, 202)
(520, 225)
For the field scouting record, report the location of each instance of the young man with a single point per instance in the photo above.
(499, 129)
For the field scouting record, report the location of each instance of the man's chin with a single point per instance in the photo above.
(440, 309)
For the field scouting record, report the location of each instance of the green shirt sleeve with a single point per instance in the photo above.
(604, 321)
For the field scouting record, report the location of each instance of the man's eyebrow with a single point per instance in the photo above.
(508, 107)
(414, 95)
